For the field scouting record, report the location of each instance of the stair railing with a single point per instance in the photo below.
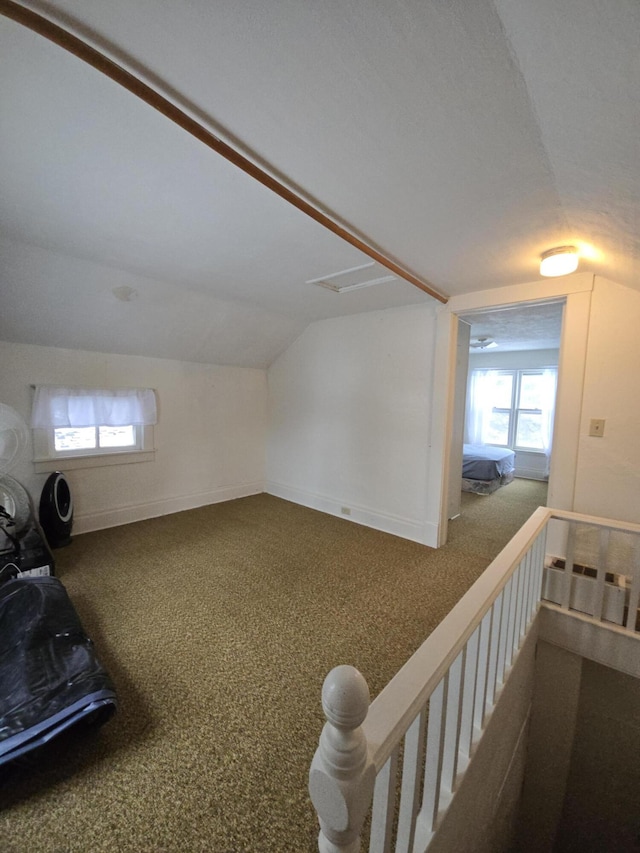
(431, 715)
(436, 706)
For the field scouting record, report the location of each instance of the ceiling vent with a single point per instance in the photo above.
(354, 278)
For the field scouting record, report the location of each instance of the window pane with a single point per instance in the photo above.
(497, 428)
(531, 387)
(529, 432)
(122, 436)
(502, 390)
(74, 438)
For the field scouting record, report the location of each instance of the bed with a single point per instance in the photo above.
(485, 468)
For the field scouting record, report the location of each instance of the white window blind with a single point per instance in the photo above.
(57, 406)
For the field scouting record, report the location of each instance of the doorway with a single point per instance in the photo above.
(576, 292)
(515, 351)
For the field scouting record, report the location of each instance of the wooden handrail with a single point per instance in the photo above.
(92, 56)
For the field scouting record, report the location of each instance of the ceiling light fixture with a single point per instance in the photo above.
(560, 261)
(483, 343)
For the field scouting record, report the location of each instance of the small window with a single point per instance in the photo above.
(92, 426)
(101, 439)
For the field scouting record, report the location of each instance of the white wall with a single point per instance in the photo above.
(210, 436)
(554, 710)
(603, 785)
(349, 421)
(351, 403)
(530, 465)
(581, 781)
(349, 414)
(608, 471)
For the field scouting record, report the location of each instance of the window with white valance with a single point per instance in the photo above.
(74, 423)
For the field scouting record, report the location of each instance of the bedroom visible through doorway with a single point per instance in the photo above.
(509, 389)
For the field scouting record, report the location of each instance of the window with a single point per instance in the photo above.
(109, 426)
(512, 408)
(97, 439)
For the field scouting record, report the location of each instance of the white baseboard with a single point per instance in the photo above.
(128, 513)
(530, 473)
(424, 533)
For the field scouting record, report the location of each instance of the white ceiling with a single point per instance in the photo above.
(462, 138)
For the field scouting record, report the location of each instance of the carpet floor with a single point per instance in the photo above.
(218, 626)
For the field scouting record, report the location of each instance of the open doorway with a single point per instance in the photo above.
(507, 384)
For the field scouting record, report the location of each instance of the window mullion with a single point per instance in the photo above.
(513, 415)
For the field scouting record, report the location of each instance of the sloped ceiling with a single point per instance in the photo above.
(462, 138)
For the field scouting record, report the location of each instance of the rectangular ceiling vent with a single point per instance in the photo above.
(354, 278)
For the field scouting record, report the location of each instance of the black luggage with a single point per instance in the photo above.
(50, 677)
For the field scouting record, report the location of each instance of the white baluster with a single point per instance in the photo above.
(342, 775)
(568, 568)
(492, 663)
(598, 593)
(634, 593)
(384, 797)
(469, 695)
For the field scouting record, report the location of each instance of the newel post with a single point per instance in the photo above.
(342, 774)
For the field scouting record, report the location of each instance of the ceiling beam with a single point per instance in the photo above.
(98, 60)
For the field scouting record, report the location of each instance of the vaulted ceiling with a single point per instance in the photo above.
(462, 139)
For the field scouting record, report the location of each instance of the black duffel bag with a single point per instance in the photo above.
(50, 677)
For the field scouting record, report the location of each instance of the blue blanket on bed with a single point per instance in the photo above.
(483, 462)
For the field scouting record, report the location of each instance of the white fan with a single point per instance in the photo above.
(14, 437)
(483, 343)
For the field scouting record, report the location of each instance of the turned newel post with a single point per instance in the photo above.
(342, 774)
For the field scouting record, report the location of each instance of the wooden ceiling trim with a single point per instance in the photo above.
(92, 56)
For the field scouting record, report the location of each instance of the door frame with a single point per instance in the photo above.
(576, 290)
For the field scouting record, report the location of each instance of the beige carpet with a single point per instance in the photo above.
(218, 627)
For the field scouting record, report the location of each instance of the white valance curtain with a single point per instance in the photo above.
(57, 406)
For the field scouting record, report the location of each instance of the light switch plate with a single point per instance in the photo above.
(596, 427)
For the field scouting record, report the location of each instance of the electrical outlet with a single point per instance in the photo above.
(345, 510)
(596, 427)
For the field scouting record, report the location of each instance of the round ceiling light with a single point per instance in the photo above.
(560, 261)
